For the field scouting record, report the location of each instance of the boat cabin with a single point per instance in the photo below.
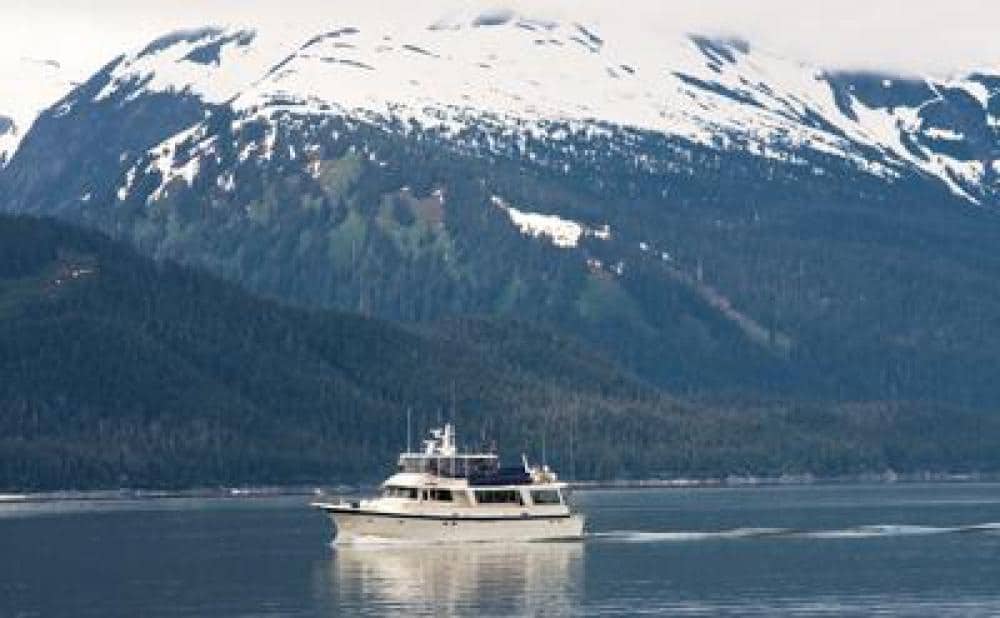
(487, 483)
(474, 496)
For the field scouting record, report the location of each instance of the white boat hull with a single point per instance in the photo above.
(354, 525)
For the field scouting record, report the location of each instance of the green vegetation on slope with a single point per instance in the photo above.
(118, 370)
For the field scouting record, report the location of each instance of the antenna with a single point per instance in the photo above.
(454, 415)
(454, 407)
(409, 412)
(572, 446)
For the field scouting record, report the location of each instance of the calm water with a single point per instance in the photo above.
(910, 550)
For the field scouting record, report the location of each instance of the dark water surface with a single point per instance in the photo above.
(914, 550)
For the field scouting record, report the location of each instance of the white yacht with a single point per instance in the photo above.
(440, 494)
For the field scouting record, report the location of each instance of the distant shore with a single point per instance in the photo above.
(789, 479)
(733, 481)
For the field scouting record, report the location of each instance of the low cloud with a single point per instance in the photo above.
(895, 36)
(913, 36)
(903, 36)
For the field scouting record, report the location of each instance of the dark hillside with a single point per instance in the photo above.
(118, 370)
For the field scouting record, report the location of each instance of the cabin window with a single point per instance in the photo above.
(400, 492)
(498, 496)
(546, 496)
(441, 495)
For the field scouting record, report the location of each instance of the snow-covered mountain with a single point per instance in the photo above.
(521, 76)
(27, 87)
(709, 212)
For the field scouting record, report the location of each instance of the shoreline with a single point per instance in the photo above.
(734, 481)
(318, 491)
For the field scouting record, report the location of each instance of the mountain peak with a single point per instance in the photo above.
(517, 73)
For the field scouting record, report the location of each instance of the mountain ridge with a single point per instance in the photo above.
(701, 265)
(523, 74)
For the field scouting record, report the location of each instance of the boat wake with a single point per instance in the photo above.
(637, 536)
(857, 532)
(862, 532)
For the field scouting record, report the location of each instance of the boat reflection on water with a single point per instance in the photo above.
(512, 579)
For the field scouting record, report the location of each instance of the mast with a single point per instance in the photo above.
(454, 407)
(454, 414)
(572, 446)
(409, 411)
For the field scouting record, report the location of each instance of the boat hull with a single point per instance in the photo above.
(353, 525)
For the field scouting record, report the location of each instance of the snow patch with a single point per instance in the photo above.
(126, 189)
(226, 182)
(977, 90)
(563, 233)
(943, 134)
(167, 154)
(601, 233)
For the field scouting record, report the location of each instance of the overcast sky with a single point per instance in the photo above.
(906, 36)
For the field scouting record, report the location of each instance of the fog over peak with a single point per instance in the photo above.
(890, 36)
